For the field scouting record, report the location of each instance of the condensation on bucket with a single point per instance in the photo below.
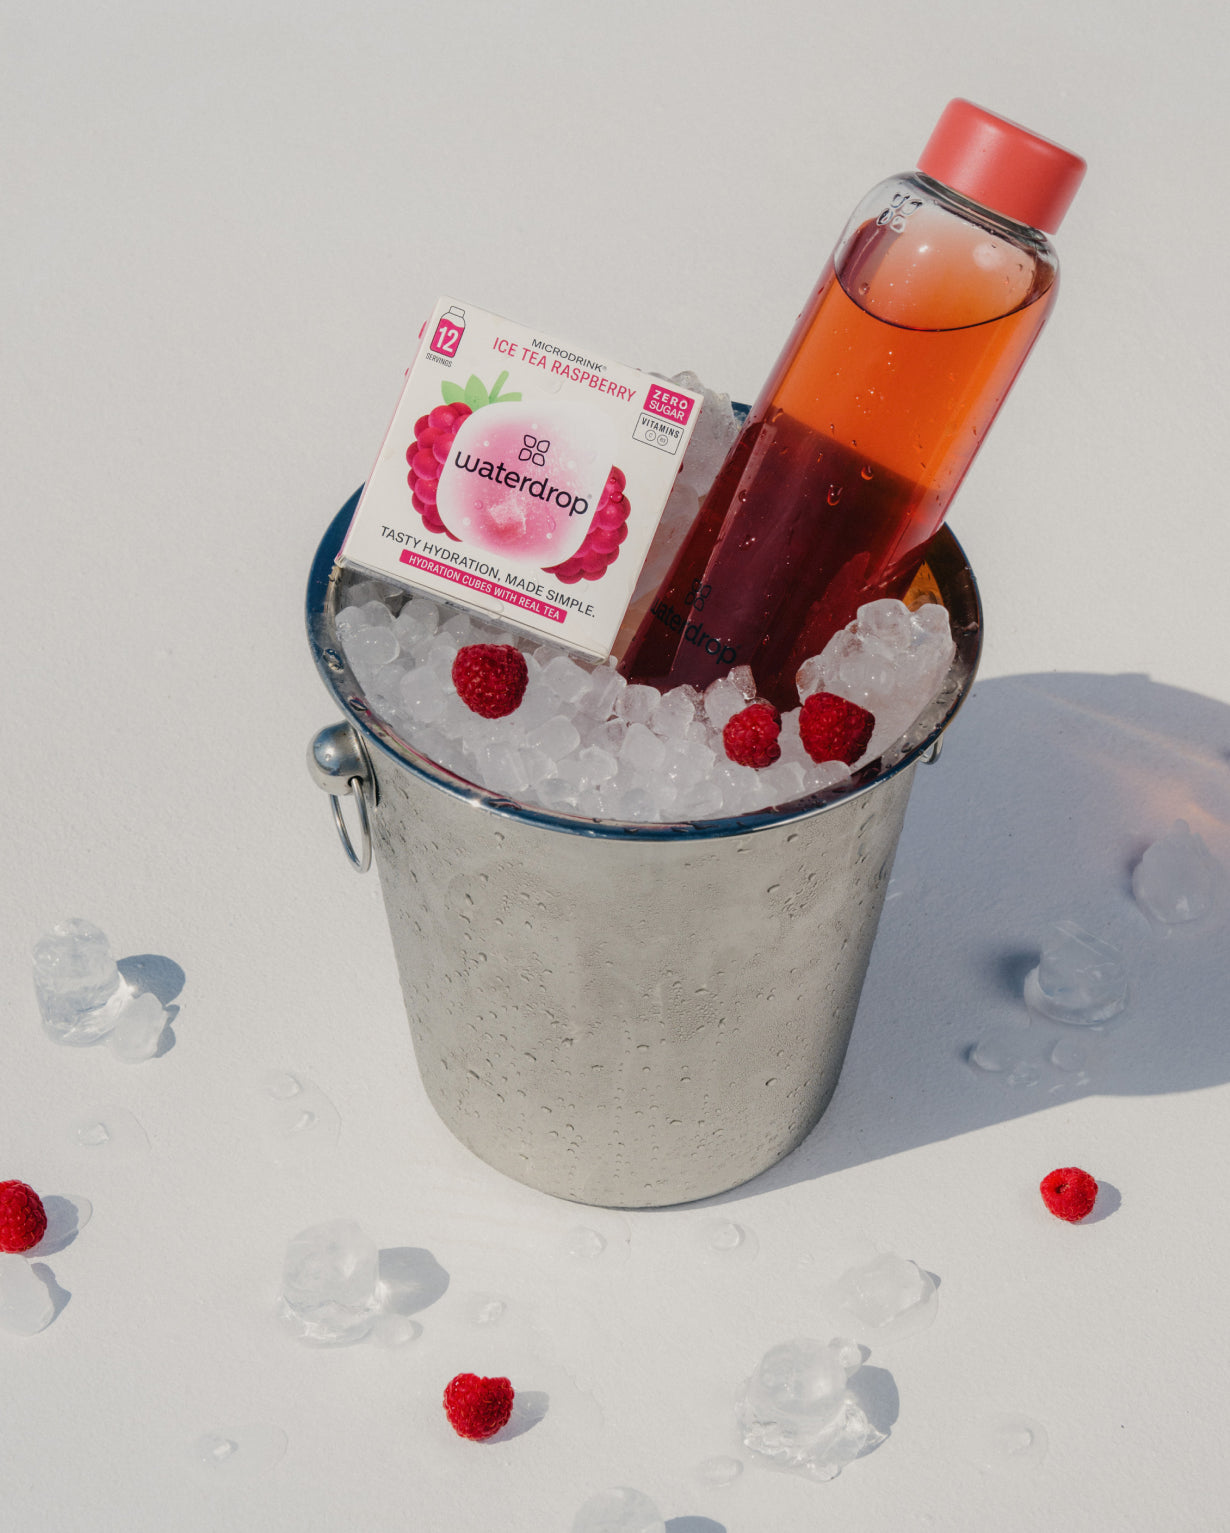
(632, 1015)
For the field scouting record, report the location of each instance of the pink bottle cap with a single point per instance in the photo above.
(1002, 165)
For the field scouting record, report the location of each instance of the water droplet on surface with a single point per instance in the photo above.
(239, 1453)
(110, 1132)
(866, 471)
(296, 1121)
(1008, 1444)
(995, 1052)
(720, 1470)
(1069, 1055)
(486, 1309)
(724, 1242)
(834, 494)
(585, 1244)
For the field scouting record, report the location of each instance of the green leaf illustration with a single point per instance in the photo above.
(453, 393)
(476, 395)
(496, 397)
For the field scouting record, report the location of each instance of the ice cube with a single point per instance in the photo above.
(1176, 879)
(621, 1510)
(723, 699)
(635, 704)
(359, 592)
(555, 793)
(423, 693)
(673, 713)
(459, 627)
(797, 1411)
(330, 1284)
(609, 736)
(26, 1305)
(1080, 978)
(77, 983)
(889, 622)
(600, 766)
(371, 647)
(883, 1300)
(566, 678)
(641, 750)
(889, 660)
(558, 737)
(809, 677)
(702, 801)
(377, 613)
(138, 1029)
(712, 436)
(348, 622)
(605, 685)
(742, 677)
(502, 769)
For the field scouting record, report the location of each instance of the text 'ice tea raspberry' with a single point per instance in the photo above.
(834, 729)
(477, 1408)
(23, 1219)
(490, 678)
(750, 736)
(1069, 1193)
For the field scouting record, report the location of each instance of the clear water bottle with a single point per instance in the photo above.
(885, 391)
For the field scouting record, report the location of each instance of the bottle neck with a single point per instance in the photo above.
(976, 212)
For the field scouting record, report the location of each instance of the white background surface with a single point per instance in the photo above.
(222, 227)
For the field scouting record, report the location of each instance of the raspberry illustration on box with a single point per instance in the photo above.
(474, 479)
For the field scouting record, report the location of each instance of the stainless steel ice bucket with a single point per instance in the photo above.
(626, 1015)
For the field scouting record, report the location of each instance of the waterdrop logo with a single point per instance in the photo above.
(523, 481)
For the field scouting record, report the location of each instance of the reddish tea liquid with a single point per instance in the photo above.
(854, 450)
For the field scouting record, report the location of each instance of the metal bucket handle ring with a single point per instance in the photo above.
(338, 762)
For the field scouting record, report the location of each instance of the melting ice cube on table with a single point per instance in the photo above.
(883, 1299)
(77, 983)
(26, 1305)
(621, 1510)
(138, 1028)
(1080, 979)
(797, 1411)
(1176, 879)
(330, 1284)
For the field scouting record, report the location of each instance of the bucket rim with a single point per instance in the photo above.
(949, 568)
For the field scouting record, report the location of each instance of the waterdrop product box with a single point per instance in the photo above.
(522, 477)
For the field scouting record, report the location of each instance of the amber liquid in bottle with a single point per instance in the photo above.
(858, 442)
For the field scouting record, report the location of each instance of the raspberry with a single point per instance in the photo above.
(833, 729)
(1069, 1193)
(23, 1219)
(477, 1408)
(490, 678)
(750, 736)
(606, 532)
(427, 455)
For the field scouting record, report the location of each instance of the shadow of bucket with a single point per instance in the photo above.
(625, 1015)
